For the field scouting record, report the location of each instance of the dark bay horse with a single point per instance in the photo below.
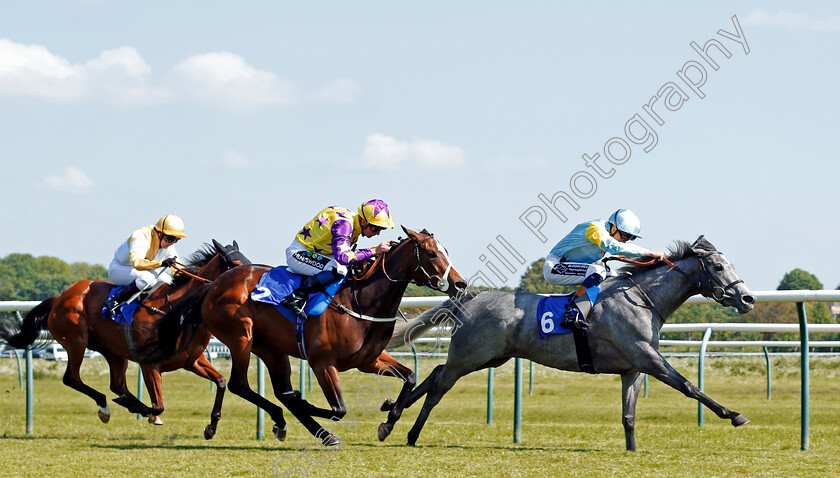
(337, 340)
(158, 342)
(491, 327)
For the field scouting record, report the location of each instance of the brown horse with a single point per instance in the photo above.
(345, 336)
(156, 338)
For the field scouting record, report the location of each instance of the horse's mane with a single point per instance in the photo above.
(195, 261)
(680, 250)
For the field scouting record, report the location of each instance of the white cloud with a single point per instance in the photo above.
(342, 90)
(791, 21)
(121, 76)
(227, 80)
(384, 152)
(230, 159)
(73, 180)
(118, 75)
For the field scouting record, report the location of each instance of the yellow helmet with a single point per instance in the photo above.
(171, 225)
(376, 212)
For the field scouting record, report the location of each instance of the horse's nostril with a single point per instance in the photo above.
(748, 299)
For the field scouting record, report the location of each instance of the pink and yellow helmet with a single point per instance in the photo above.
(376, 212)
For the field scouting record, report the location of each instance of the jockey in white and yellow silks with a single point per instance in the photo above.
(322, 250)
(571, 261)
(139, 262)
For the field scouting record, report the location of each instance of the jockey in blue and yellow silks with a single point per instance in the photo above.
(322, 250)
(571, 260)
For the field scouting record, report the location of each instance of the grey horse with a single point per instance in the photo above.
(490, 327)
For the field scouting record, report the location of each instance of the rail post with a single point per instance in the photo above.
(700, 366)
(139, 387)
(490, 373)
(517, 401)
(805, 363)
(261, 391)
(30, 394)
(767, 361)
(303, 366)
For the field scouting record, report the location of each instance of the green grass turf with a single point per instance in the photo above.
(571, 427)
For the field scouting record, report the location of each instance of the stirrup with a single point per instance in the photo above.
(573, 319)
(294, 303)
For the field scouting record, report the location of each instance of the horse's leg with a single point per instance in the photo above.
(388, 366)
(72, 378)
(279, 370)
(445, 378)
(151, 375)
(118, 366)
(631, 382)
(240, 354)
(203, 368)
(660, 369)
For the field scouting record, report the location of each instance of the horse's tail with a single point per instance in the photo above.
(406, 332)
(22, 335)
(175, 330)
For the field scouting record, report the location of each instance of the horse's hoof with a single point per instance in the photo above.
(280, 433)
(331, 440)
(383, 430)
(387, 405)
(155, 420)
(209, 432)
(104, 414)
(740, 420)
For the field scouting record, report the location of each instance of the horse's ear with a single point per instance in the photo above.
(235, 245)
(702, 244)
(218, 246)
(404, 229)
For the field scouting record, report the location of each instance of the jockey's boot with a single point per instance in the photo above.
(308, 285)
(112, 303)
(573, 317)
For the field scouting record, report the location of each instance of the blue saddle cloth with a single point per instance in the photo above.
(550, 311)
(279, 282)
(125, 312)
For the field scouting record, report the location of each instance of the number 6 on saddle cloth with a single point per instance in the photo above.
(550, 311)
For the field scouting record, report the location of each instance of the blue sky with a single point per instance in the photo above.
(247, 118)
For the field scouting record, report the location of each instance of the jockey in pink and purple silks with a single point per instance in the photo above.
(322, 250)
(571, 261)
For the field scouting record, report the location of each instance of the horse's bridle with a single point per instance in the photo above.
(438, 283)
(717, 286)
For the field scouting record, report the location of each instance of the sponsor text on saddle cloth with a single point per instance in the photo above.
(124, 312)
(279, 282)
(550, 311)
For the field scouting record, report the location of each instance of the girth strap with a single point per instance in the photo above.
(299, 337)
(584, 353)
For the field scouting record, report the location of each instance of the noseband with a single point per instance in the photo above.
(718, 288)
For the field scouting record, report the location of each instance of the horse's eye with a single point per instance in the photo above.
(432, 255)
(718, 267)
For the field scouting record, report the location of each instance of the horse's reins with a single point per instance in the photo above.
(718, 288)
(442, 283)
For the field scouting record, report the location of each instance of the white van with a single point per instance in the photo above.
(54, 352)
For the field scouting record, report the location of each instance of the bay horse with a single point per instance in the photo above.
(352, 334)
(157, 341)
(490, 327)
